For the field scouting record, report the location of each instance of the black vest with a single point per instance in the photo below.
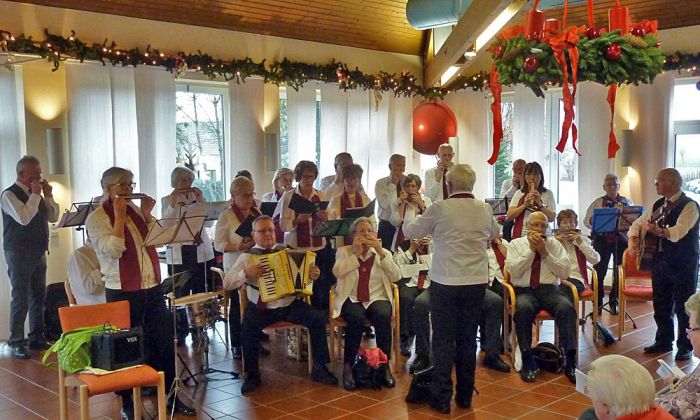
(32, 239)
(686, 250)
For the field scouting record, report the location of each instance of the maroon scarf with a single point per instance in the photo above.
(365, 271)
(129, 265)
(462, 195)
(581, 260)
(304, 238)
(499, 256)
(344, 205)
(239, 213)
(519, 221)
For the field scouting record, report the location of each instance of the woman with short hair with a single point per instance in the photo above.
(351, 197)
(533, 196)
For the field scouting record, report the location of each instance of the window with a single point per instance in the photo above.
(686, 128)
(284, 132)
(502, 169)
(201, 136)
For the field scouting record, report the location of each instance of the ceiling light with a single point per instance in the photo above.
(497, 24)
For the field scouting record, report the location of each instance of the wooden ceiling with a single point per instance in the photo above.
(373, 24)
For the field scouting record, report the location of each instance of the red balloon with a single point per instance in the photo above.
(433, 124)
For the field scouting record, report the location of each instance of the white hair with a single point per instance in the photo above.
(611, 176)
(622, 384)
(239, 183)
(178, 173)
(462, 177)
(25, 161)
(115, 175)
(353, 226)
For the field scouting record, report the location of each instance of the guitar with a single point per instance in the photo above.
(649, 245)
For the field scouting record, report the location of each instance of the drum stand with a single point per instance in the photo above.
(202, 346)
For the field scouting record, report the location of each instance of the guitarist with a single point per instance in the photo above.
(675, 267)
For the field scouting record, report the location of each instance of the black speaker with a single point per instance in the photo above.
(112, 350)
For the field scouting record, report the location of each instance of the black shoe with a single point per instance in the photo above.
(613, 307)
(405, 348)
(528, 374)
(386, 379)
(20, 352)
(368, 332)
(127, 411)
(348, 380)
(181, 408)
(492, 361)
(658, 348)
(570, 372)
(251, 383)
(264, 337)
(322, 375)
(236, 351)
(149, 391)
(39, 345)
(463, 401)
(264, 351)
(683, 354)
(441, 407)
(421, 362)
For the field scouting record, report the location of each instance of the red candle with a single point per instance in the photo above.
(551, 26)
(618, 18)
(534, 23)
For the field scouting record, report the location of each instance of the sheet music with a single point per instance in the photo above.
(185, 229)
(216, 208)
(77, 214)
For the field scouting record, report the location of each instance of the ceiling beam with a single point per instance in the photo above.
(475, 20)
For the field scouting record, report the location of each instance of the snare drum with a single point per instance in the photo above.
(201, 309)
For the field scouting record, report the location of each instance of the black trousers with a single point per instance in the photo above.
(199, 272)
(147, 310)
(491, 323)
(407, 298)
(607, 251)
(298, 312)
(355, 314)
(672, 283)
(386, 232)
(325, 260)
(550, 298)
(234, 318)
(456, 311)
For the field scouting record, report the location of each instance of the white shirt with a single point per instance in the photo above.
(225, 235)
(386, 195)
(85, 278)
(494, 268)
(109, 248)
(598, 204)
(397, 218)
(23, 213)
(520, 257)
(288, 216)
(547, 200)
(236, 278)
(686, 221)
(173, 253)
(329, 187)
(269, 197)
(433, 186)
(326, 182)
(384, 272)
(592, 257)
(334, 212)
(411, 264)
(508, 189)
(461, 229)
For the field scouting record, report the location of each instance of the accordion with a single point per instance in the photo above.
(113, 350)
(288, 273)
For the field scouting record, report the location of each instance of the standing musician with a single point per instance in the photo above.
(508, 189)
(131, 272)
(25, 219)
(333, 185)
(605, 243)
(365, 272)
(578, 249)
(259, 314)
(435, 181)
(387, 190)
(352, 196)
(281, 183)
(409, 196)
(531, 198)
(226, 240)
(673, 218)
(536, 263)
(460, 226)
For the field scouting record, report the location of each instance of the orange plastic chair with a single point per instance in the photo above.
(590, 295)
(117, 314)
(634, 285)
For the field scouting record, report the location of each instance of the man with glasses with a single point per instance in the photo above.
(25, 217)
(259, 315)
(435, 180)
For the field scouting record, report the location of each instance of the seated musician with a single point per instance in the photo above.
(578, 249)
(84, 276)
(536, 263)
(352, 196)
(408, 197)
(259, 315)
(365, 272)
(492, 308)
(131, 272)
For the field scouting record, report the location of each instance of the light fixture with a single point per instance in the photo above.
(470, 54)
(54, 151)
(626, 141)
(447, 75)
(497, 24)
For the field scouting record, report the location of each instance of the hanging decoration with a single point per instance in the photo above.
(433, 124)
(540, 55)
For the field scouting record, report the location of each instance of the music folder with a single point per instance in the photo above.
(78, 213)
(337, 227)
(357, 212)
(268, 208)
(245, 229)
(499, 206)
(301, 205)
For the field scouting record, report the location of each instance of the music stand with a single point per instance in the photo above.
(499, 206)
(77, 215)
(332, 228)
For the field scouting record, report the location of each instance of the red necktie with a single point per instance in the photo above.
(422, 276)
(444, 184)
(535, 272)
(365, 270)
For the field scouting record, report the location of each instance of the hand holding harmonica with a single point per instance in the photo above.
(134, 196)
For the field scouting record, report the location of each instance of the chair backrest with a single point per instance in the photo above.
(629, 267)
(69, 293)
(116, 313)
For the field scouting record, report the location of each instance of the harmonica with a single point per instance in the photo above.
(565, 231)
(185, 190)
(136, 196)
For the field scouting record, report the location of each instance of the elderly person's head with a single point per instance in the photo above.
(352, 177)
(567, 219)
(305, 173)
(181, 177)
(619, 386)
(282, 181)
(692, 307)
(264, 231)
(397, 164)
(342, 160)
(445, 153)
(611, 185)
(460, 178)
(117, 181)
(668, 182)
(537, 222)
(362, 227)
(242, 193)
(411, 184)
(28, 170)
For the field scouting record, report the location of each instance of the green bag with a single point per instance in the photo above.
(74, 348)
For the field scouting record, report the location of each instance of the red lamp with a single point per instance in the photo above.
(433, 124)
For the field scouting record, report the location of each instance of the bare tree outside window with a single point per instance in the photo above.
(502, 167)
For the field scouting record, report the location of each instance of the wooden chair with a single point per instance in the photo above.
(116, 313)
(509, 302)
(338, 324)
(634, 285)
(281, 325)
(590, 295)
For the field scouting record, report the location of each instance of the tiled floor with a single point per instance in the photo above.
(28, 390)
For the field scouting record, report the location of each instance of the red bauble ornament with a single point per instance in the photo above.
(531, 64)
(498, 51)
(433, 124)
(533, 37)
(592, 33)
(640, 32)
(613, 52)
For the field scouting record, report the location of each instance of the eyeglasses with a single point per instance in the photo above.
(250, 195)
(131, 185)
(265, 231)
(690, 330)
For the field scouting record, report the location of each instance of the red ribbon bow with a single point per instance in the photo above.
(496, 89)
(567, 41)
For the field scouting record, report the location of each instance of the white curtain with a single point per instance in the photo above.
(301, 123)
(126, 136)
(529, 141)
(358, 132)
(12, 138)
(334, 117)
(246, 130)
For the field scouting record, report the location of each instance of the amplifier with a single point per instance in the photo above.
(112, 350)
